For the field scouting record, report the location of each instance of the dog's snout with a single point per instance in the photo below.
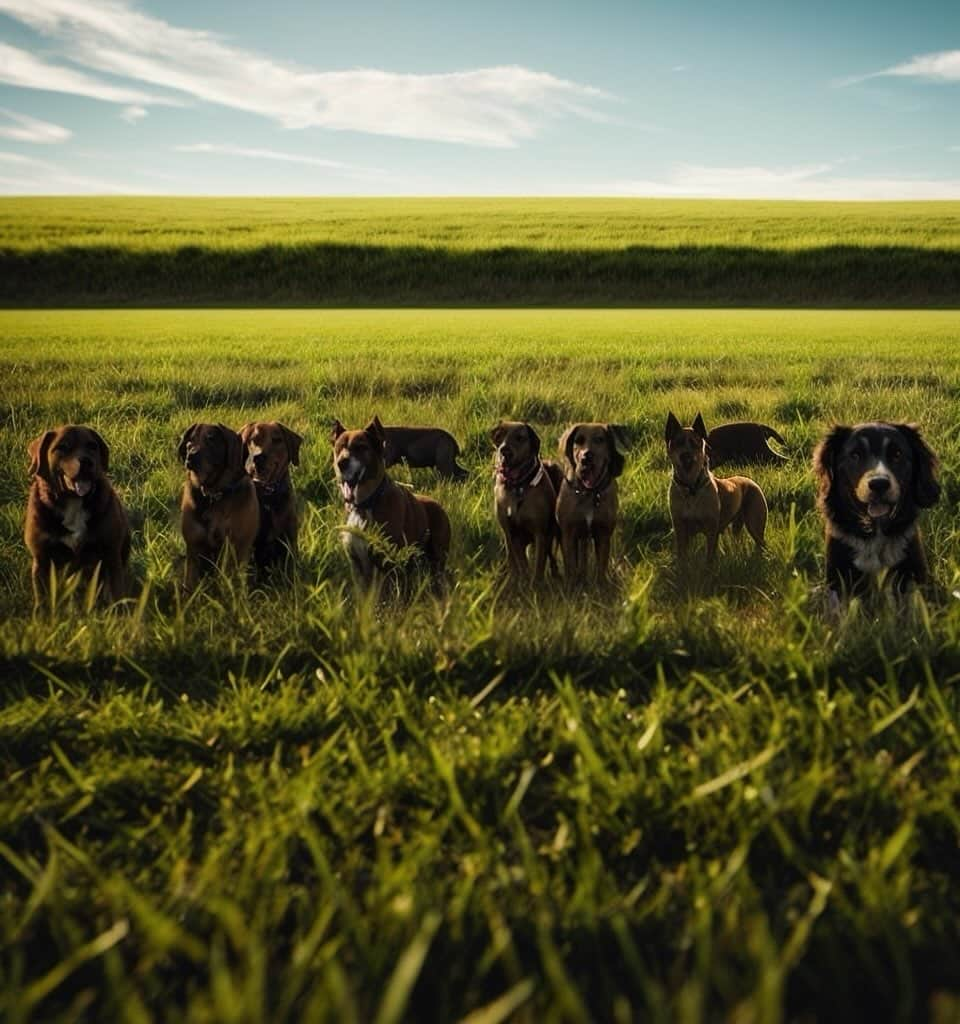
(879, 485)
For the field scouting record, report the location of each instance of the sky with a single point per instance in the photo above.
(849, 99)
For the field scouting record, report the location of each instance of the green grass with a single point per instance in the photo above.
(455, 252)
(676, 799)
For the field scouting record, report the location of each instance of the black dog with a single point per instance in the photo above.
(874, 480)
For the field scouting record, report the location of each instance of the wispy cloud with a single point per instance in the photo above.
(29, 129)
(810, 181)
(497, 106)
(935, 67)
(133, 114)
(41, 177)
(224, 149)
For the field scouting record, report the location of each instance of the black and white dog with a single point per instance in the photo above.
(874, 479)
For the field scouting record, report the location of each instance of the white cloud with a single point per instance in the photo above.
(20, 68)
(224, 149)
(811, 181)
(41, 177)
(936, 67)
(498, 106)
(133, 114)
(30, 129)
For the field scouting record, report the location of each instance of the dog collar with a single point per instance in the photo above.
(373, 499)
(280, 489)
(598, 491)
(530, 478)
(695, 486)
(214, 496)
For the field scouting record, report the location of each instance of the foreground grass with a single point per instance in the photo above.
(676, 799)
(516, 252)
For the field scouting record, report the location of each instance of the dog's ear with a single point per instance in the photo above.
(566, 443)
(37, 449)
(617, 448)
(104, 450)
(498, 433)
(236, 457)
(825, 457)
(185, 440)
(294, 440)
(926, 487)
(534, 438)
(672, 428)
(699, 427)
(375, 429)
(336, 430)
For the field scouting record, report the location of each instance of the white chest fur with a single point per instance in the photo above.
(75, 523)
(356, 545)
(871, 554)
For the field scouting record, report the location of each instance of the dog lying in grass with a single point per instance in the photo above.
(874, 479)
(744, 442)
(372, 499)
(219, 512)
(75, 520)
(703, 503)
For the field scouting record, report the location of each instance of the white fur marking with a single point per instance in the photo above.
(357, 547)
(871, 554)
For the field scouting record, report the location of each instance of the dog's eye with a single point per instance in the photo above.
(856, 456)
(894, 453)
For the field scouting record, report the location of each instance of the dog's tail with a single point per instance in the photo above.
(769, 432)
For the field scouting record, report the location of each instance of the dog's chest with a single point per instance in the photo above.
(702, 507)
(871, 554)
(356, 544)
(75, 522)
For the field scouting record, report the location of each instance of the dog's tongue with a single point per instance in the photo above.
(588, 477)
(879, 509)
(81, 487)
(348, 490)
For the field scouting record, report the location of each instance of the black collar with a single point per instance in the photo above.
(212, 497)
(279, 489)
(697, 484)
(529, 476)
(369, 502)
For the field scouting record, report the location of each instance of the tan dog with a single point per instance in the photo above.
(703, 503)
(371, 498)
(525, 497)
(219, 508)
(587, 499)
(271, 449)
(74, 518)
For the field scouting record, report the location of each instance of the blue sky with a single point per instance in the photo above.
(845, 100)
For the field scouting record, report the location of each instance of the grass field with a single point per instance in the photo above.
(676, 799)
(448, 252)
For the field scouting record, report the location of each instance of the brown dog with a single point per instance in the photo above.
(703, 503)
(271, 449)
(587, 498)
(525, 497)
(422, 447)
(743, 442)
(74, 518)
(371, 498)
(219, 508)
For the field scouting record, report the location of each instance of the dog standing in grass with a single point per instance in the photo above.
(703, 503)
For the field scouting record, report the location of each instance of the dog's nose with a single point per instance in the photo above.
(879, 485)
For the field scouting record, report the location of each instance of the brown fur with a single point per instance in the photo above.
(743, 442)
(271, 449)
(219, 508)
(703, 503)
(587, 498)
(524, 497)
(423, 447)
(372, 498)
(74, 518)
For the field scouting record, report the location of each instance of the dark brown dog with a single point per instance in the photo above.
(420, 448)
(525, 497)
(219, 508)
(371, 498)
(703, 503)
(271, 449)
(743, 442)
(587, 498)
(74, 518)
(874, 479)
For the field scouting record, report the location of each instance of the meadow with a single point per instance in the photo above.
(679, 798)
(149, 251)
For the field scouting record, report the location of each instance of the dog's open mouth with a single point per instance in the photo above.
(589, 476)
(80, 486)
(880, 509)
(349, 485)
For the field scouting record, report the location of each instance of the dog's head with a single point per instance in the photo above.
(877, 472)
(357, 455)
(271, 448)
(516, 445)
(71, 459)
(687, 447)
(593, 452)
(212, 454)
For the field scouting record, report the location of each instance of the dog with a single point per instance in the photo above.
(874, 478)
(371, 498)
(421, 448)
(744, 442)
(218, 508)
(703, 503)
(271, 449)
(525, 497)
(75, 520)
(592, 459)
